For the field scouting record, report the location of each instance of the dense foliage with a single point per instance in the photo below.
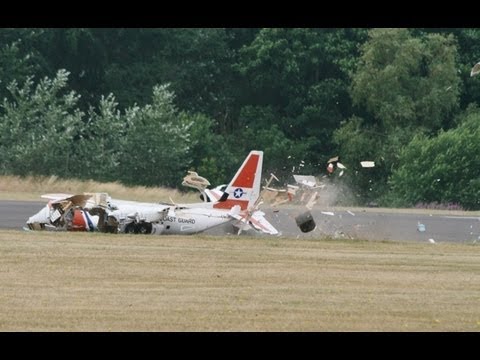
(143, 106)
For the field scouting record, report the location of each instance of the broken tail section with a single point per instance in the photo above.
(244, 189)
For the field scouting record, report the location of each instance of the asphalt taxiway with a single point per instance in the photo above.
(354, 223)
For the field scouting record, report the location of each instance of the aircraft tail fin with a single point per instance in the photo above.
(244, 189)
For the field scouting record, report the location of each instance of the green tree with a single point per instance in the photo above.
(404, 80)
(38, 126)
(443, 168)
(99, 143)
(14, 65)
(210, 152)
(403, 86)
(157, 145)
(301, 77)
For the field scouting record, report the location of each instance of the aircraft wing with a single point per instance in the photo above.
(76, 200)
(57, 196)
(258, 222)
(85, 200)
(139, 211)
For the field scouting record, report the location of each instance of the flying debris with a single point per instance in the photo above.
(421, 227)
(367, 164)
(306, 180)
(334, 162)
(475, 70)
(329, 213)
(195, 181)
(312, 201)
(305, 222)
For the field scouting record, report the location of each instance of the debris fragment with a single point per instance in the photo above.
(312, 201)
(307, 180)
(351, 213)
(332, 160)
(195, 181)
(330, 168)
(341, 166)
(305, 222)
(367, 164)
(327, 213)
(420, 227)
(431, 241)
(475, 70)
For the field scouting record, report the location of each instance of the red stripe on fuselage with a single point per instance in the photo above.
(247, 175)
(228, 204)
(78, 222)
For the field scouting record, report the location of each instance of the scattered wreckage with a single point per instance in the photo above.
(237, 203)
(306, 192)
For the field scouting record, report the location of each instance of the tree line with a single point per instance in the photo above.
(143, 106)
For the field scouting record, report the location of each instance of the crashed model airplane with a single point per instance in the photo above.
(236, 204)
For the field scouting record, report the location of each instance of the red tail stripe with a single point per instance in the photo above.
(228, 204)
(247, 175)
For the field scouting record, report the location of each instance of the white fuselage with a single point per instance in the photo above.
(194, 220)
(167, 218)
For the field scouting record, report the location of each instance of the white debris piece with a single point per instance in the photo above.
(475, 70)
(327, 213)
(340, 165)
(193, 180)
(351, 213)
(420, 227)
(341, 173)
(307, 180)
(431, 241)
(312, 201)
(367, 164)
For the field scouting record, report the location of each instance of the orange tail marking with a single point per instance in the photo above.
(247, 175)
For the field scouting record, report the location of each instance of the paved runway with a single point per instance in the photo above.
(371, 224)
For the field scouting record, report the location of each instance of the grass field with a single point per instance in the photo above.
(31, 188)
(101, 282)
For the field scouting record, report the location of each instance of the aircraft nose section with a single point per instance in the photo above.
(36, 221)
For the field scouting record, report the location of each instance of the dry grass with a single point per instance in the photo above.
(102, 282)
(31, 188)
